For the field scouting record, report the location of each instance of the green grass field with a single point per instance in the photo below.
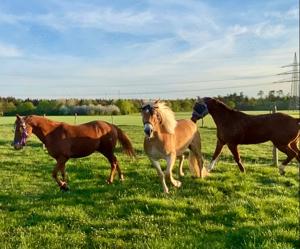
(259, 209)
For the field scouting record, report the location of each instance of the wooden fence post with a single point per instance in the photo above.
(75, 119)
(44, 147)
(275, 152)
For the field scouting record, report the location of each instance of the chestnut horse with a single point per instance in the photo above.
(64, 141)
(234, 127)
(166, 138)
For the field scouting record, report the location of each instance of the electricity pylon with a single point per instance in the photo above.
(295, 84)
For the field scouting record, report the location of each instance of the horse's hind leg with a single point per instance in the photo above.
(181, 161)
(121, 176)
(60, 166)
(290, 155)
(294, 147)
(218, 149)
(234, 150)
(114, 165)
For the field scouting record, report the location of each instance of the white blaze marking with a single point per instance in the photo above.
(212, 165)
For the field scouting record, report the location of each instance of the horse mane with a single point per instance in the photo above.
(35, 119)
(168, 120)
(226, 108)
(223, 105)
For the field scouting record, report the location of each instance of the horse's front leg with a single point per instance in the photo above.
(218, 149)
(234, 150)
(160, 174)
(170, 163)
(60, 166)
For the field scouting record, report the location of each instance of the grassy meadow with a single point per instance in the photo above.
(228, 209)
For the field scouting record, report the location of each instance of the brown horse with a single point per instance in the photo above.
(166, 138)
(64, 141)
(234, 127)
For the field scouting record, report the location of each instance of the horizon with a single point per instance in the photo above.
(142, 50)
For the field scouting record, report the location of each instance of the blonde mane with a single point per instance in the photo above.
(168, 120)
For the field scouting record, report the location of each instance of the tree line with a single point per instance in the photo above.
(11, 106)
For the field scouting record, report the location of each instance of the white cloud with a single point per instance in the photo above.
(266, 30)
(105, 19)
(290, 14)
(173, 42)
(261, 30)
(7, 50)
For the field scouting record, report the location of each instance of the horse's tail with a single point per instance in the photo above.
(125, 142)
(196, 165)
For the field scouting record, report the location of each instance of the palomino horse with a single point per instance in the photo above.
(166, 138)
(64, 141)
(234, 127)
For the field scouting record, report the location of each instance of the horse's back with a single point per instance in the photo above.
(185, 126)
(82, 140)
(277, 127)
(93, 129)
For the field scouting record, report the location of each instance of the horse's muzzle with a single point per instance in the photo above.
(148, 129)
(200, 110)
(17, 146)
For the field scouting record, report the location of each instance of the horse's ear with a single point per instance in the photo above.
(205, 99)
(18, 116)
(200, 100)
(155, 103)
(141, 103)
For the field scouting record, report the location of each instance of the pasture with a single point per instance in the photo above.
(228, 209)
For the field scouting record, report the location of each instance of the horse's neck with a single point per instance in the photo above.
(161, 132)
(221, 114)
(42, 127)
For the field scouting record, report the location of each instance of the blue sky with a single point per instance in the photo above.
(145, 49)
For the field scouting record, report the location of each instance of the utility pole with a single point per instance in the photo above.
(295, 84)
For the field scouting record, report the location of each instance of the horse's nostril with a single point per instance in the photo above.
(147, 131)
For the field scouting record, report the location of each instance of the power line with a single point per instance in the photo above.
(172, 83)
(194, 90)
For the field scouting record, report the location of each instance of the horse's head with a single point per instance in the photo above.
(200, 109)
(22, 132)
(151, 117)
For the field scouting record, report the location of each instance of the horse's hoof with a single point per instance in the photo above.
(166, 191)
(64, 188)
(282, 173)
(178, 184)
(108, 181)
(122, 178)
